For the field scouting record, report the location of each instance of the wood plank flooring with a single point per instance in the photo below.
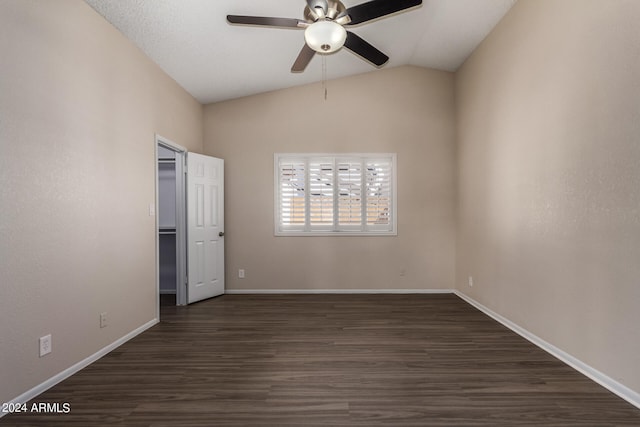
(330, 360)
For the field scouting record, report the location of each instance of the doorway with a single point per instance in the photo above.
(171, 222)
(189, 225)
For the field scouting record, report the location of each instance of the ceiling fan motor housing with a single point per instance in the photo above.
(334, 8)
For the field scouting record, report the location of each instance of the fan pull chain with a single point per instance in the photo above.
(324, 75)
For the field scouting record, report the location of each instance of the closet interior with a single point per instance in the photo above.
(167, 225)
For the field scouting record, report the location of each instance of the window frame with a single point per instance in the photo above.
(306, 229)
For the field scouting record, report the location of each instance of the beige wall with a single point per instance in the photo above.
(549, 171)
(406, 110)
(79, 106)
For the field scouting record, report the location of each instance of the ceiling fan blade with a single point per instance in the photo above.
(360, 47)
(318, 7)
(304, 57)
(377, 8)
(266, 21)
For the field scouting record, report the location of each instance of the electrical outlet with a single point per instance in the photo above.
(241, 273)
(103, 320)
(471, 281)
(403, 272)
(45, 345)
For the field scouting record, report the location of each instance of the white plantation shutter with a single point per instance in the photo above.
(378, 184)
(321, 189)
(327, 194)
(350, 194)
(291, 201)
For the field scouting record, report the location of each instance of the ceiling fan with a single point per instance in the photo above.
(324, 24)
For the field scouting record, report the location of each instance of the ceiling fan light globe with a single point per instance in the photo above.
(325, 36)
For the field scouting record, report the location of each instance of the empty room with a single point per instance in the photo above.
(319, 212)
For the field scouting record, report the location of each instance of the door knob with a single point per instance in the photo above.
(221, 234)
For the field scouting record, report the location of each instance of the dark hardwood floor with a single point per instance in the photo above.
(330, 360)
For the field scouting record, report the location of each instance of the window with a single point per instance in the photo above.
(335, 194)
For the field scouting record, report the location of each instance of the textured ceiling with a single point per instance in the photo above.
(214, 61)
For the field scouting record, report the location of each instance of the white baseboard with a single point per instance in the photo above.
(336, 291)
(40, 388)
(605, 381)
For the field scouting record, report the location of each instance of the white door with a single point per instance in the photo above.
(205, 227)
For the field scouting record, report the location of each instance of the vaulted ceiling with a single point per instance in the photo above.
(214, 61)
